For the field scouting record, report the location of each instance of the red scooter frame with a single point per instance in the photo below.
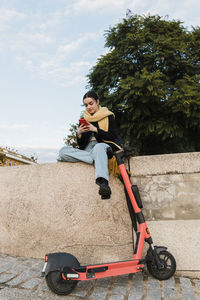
(63, 271)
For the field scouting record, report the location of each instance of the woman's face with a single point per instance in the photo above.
(91, 105)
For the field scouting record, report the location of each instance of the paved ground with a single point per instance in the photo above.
(20, 279)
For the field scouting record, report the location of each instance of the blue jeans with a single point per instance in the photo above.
(94, 153)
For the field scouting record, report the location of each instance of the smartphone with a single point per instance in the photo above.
(83, 122)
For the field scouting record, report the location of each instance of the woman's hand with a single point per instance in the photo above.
(86, 128)
(81, 129)
(92, 128)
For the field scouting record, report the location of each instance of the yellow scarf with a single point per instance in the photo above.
(100, 116)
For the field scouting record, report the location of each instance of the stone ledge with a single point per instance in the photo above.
(165, 164)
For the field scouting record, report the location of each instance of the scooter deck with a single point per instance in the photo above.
(108, 269)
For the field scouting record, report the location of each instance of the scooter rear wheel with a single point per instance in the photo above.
(58, 285)
(167, 259)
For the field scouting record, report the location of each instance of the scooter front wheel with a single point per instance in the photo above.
(58, 285)
(169, 263)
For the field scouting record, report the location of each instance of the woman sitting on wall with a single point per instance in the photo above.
(94, 140)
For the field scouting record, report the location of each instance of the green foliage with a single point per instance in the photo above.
(70, 140)
(150, 79)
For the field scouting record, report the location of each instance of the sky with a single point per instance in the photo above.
(47, 48)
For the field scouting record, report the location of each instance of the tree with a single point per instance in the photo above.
(71, 140)
(150, 79)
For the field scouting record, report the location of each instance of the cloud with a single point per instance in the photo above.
(184, 10)
(101, 6)
(43, 44)
(59, 65)
(9, 16)
(36, 38)
(77, 43)
(68, 75)
(40, 45)
(10, 126)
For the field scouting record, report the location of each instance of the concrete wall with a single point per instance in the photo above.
(54, 207)
(170, 191)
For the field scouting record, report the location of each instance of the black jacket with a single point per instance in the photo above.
(102, 136)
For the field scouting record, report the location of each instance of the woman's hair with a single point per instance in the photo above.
(91, 94)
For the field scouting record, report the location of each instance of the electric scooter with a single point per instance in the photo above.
(63, 271)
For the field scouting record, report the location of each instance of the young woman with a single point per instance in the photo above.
(95, 141)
